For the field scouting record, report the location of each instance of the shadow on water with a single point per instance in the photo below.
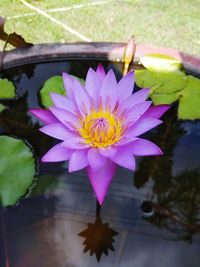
(42, 230)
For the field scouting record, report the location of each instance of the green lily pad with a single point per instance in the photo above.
(53, 84)
(189, 104)
(159, 99)
(160, 63)
(7, 89)
(17, 169)
(163, 82)
(2, 107)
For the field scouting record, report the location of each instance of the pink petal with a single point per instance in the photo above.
(96, 160)
(136, 112)
(57, 153)
(138, 97)
(57, 130)
(141, 126)
(101, 178)
(44, 115)
(108, 94)
(101, 72)
(156, 111)
(63, 102)
(78, 160)
(108, 152)
(125, 140)
(75, 142)
(124, 158)
(67, 118)
(125, 86)
(82, 99)
(92, 86)
(142, 147)
(68, 81)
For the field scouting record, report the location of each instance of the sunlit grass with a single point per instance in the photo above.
(166, 23)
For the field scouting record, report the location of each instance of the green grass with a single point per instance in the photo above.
(169, 23)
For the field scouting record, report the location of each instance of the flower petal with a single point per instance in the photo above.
(156, 111)
(136, 112)
(96, 160)
(141, 126)
(101, 178)
(101, 72)
(67, 118)
(108, 94)
(142, 147)
(125, 86)
(82, 99)
(68, 81)
(57, 130)
(108, 152)
(63, 102)
(57, 153)
(78, 160)
(124, 158)
(138, 97)
(75, 142)
(44, 115)
(92, 86)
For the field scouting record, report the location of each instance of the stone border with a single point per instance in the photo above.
(103, 51)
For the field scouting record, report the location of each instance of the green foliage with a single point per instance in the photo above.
(189, 104)
(17, 169)
(168, 83)
(7, 89)
(53, 84)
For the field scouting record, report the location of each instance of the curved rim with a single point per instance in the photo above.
(94, 50)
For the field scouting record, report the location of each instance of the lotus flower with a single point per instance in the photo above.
(99, 124)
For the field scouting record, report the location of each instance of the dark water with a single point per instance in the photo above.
(42, 229)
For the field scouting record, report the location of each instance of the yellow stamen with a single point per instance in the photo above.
(101, 128)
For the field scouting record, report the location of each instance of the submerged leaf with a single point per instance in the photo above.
(17, 169)
(7, 89)
(189, 104)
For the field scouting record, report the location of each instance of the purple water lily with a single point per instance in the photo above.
(99, 125)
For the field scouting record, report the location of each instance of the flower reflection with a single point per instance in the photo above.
(98, 237)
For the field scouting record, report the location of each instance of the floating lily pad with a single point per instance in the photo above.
(163, 82)
(159, 99)
(7, 89)
(189, 104)
(159, 62)
(17, 169)
(2, 107)
(53, 84)
(168, 84)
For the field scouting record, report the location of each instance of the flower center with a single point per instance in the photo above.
(101, 129)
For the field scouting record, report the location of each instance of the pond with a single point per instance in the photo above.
(151, 217)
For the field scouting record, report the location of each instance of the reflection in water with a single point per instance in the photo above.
(98, 236)
(177, 197)
(42, 230)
